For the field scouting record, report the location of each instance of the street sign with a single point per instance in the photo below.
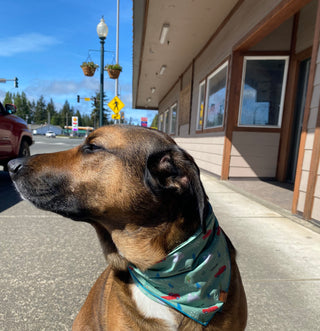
(87, 99)
(115, 116)
(74, 123)
(116, 105)
(144, 121)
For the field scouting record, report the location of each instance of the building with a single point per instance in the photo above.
(43, 129)
(237, 84)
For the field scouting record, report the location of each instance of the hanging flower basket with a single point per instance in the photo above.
(113, 74)
(89, 68)
(113, 70)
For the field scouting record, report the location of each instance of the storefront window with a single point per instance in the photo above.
(161, 122)
(216, 96)
(201, 106)
(263, 88)
(173, 118)
(166, 121)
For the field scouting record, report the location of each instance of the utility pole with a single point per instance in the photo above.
(117, 47)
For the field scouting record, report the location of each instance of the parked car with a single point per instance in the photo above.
(50, 134)
(15, 137)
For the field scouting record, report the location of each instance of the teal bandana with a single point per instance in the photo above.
(194, 278)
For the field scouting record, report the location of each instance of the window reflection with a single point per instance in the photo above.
(216, 95)
(262, 91)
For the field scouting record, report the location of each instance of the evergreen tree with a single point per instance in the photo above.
(32, 107)
(154, 123)
(66, 114)
(52, 114)
(40, 113)
(86, 120)
(23, 106)
(8, 98)
(56, 119)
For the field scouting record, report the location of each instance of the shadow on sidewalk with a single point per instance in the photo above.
(280, 194)
(8, 194)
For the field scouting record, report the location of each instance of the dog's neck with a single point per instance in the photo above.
(144, 246)
(194, 277)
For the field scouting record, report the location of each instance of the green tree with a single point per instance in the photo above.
(23, 106)
(154, 123)
(86, 120)
(40, 113)
(8, 98)
(65, 114)
(32, 107)
(52, 113)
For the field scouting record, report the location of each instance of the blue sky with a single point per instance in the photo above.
(43, 43)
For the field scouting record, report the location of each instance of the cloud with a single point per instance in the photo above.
(31, 42)
(61, 90)
(65, 87)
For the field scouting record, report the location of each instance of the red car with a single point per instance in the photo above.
(15, 137)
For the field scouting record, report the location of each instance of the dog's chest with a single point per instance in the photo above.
(152, 309)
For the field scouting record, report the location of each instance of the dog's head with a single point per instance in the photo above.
(126, 181)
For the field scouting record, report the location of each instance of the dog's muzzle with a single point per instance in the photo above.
(15, 166)
(48, 190)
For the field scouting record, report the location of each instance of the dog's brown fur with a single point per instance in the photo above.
(143, 195)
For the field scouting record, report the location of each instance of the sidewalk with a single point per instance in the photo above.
(48, 263)
(279, 260)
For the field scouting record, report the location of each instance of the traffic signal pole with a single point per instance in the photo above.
(15, 80)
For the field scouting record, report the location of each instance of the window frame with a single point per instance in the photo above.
(165, 115)
(283, 89)
(201, 85)
(172, 130)
(222, 66)
(160, 126)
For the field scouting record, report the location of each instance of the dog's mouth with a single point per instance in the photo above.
(48, 191)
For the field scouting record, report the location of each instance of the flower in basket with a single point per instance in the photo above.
(113, 70)
(89, 68)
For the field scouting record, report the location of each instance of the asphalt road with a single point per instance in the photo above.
(47, 263)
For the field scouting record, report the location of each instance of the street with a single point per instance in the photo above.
(49, 263)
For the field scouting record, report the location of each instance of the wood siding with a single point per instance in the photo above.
(254, 154)
(206, 151)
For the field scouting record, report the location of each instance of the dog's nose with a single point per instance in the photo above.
(16, 165)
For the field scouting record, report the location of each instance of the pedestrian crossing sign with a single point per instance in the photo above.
(116, 105)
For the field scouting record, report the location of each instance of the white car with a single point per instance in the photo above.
(50, 134)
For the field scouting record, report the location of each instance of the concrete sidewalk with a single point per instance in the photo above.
(279, 260)
(49, 263)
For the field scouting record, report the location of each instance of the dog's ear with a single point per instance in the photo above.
(173, 174)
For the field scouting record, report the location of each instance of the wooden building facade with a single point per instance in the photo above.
(237, 84)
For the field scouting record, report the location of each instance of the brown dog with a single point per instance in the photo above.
(144, 197)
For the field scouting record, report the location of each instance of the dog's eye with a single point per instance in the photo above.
(91, 148)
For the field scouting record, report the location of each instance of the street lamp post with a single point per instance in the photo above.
(102, 31)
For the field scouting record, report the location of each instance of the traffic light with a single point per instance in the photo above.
(95, 101)
(16, 82)
(78, 98)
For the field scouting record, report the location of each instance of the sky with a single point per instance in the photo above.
(43, 43)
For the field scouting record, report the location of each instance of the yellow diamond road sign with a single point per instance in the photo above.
(116, 105)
